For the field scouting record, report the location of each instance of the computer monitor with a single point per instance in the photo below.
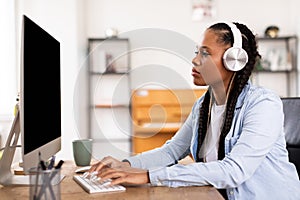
(39, 117)
(40, 97)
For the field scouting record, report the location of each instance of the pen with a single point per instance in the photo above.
(51, 164)
(43, 166)
(58, 166)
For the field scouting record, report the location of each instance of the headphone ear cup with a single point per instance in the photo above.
(235, 58)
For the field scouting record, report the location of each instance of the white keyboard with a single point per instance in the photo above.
(95, 186)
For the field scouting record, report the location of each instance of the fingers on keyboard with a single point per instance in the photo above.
(85, 175)
(91, 176)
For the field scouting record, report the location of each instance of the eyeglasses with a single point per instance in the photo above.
(202, 50)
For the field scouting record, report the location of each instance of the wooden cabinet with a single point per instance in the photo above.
(158, 114)
(278, 69)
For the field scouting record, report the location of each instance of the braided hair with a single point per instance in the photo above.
(240, 79)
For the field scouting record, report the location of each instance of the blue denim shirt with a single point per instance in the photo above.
(256, 162)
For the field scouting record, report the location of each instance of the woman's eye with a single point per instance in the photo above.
(204, 53)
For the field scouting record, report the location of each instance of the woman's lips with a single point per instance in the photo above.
(195, 72)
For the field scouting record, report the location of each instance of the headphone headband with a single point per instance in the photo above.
(237, 36)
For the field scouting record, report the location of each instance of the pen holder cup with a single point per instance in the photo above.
(44, 184)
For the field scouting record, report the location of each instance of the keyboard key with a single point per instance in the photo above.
(95, 186)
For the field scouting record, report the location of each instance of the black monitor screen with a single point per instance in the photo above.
(41, 87)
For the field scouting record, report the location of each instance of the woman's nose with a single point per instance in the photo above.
(196, 61)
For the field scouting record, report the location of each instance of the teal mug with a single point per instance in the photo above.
(82, 151)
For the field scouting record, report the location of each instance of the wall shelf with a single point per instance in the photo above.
(279, 59)
(110, 106)
(109, 96)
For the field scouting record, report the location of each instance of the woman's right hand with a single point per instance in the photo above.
(108, 162)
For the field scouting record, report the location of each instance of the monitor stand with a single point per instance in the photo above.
(6, 175)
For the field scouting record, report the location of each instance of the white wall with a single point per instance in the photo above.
(8, 85)
(8, 70)
(176, 15)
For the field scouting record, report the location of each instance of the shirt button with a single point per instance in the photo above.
(231, 192)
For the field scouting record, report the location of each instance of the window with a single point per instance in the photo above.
(8, 59)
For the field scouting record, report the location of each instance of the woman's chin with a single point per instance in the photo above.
(199, 83)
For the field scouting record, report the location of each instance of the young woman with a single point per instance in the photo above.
(234, 132)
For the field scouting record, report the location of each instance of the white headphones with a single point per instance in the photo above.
(235, 58)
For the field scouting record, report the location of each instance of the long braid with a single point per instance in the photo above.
(203, 121)
(239, 81)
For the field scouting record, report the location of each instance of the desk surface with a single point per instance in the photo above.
(70, 190)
